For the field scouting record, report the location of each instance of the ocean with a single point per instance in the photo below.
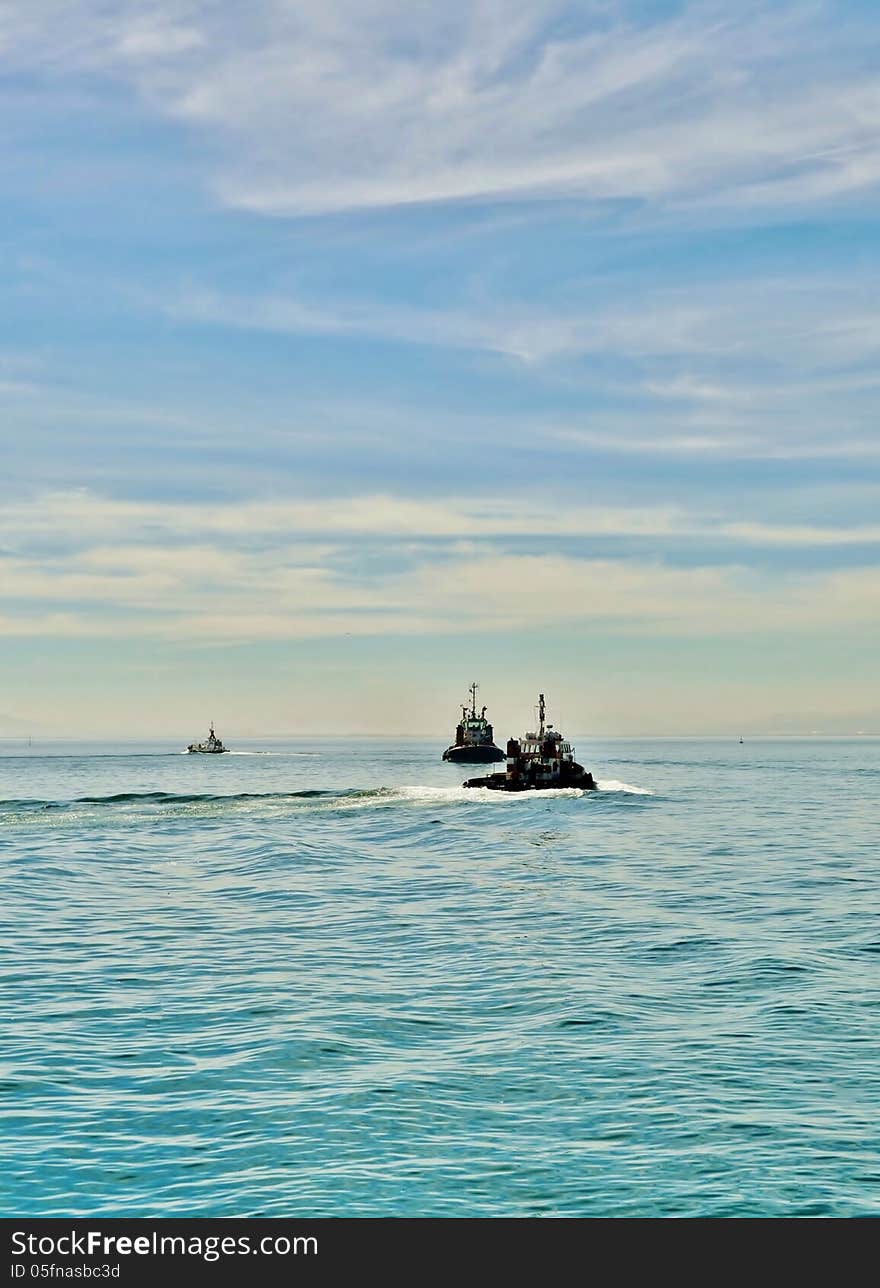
(319, 978)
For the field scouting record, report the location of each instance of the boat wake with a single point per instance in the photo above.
(469, 795)
(614, 785)
(343, 799)
(186, 752)
(169, 799)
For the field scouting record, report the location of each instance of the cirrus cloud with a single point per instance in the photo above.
(341, 105)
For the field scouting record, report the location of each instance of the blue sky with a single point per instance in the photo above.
(353, 350)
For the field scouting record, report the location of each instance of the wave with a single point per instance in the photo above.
(166, 798)
(423, 795)
(345, 798)
(614, 785)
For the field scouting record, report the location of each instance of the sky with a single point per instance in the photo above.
(352, 351)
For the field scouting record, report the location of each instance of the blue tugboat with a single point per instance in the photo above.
(211, 747)
(473, 736)
(541, 761)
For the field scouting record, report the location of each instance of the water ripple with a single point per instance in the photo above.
(343, 984)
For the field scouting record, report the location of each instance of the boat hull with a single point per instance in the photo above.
(207, 751)
(474, 755)
(527, 783)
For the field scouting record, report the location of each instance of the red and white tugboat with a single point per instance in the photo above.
(473, 736)
(541, 761)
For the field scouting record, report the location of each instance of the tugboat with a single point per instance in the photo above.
(212, 746)
(473, 736)
(541, 761)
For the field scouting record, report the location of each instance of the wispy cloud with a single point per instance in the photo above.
(342, 105)
(219, 598)
(782, 368)
(808, 323)
(387, 318)
(79, 565)
(72, 519)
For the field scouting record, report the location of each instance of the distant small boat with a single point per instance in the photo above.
(541, 761)
(473, 736)
(740, 742)
(212, 746)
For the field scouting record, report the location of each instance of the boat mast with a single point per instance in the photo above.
(540, 715)
(473, 693)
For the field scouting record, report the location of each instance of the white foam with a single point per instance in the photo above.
(454, 795)
(431, 795)
(614, 785)
(411, 795)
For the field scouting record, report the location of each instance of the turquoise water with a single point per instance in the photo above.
(322, 979)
